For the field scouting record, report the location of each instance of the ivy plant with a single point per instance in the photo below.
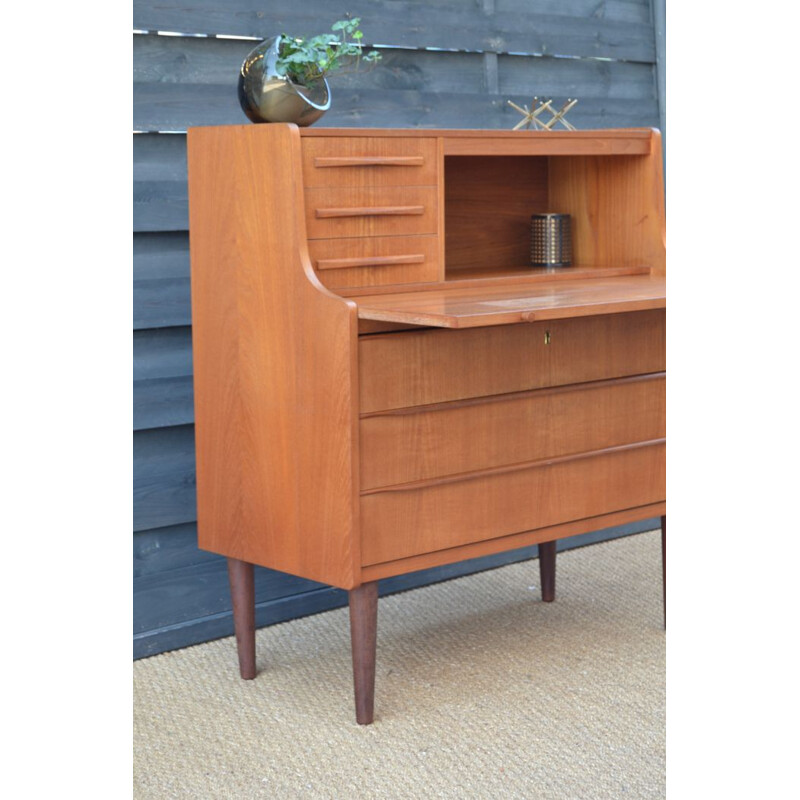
(306, 60)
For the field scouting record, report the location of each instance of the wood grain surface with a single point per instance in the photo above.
(334, 211)
(423, 442)
(274, 352)
(515, 541)
(469, 307)
(376, 260)
(412, 368)
(412, 521)
(369, 161)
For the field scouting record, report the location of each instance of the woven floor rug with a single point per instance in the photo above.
(482, 691)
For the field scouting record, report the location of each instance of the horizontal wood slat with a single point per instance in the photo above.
(197, 589)
(175, 107)
(162, 378)
(180, 82)
(574, 28)
(161, 290)
(164, 477)
(160, 189)
(190, 61)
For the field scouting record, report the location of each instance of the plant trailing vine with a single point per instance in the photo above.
(306, 60)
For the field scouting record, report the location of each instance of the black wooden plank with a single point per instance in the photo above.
(162, 378)
(575, 29)
(586, 80)
(162, 402)
(167, 59)
(161, 288)
(161, 302)
(164, 490)
(161, 255)
(406, 89)
(181, 593)
(159, 183)
(167, 549)
(618, 10)
(201, 590)
(177, 107)
(203, 629)
(159, 158)
(162, 353)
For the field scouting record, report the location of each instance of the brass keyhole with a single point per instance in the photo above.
(547, 337)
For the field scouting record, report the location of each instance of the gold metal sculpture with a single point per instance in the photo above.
(531, 116)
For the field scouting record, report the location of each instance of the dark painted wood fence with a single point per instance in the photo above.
(446, 63)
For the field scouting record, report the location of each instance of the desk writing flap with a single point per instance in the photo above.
(463, 306)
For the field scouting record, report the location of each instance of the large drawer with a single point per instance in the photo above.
(334, 211)
(423, 442)
(412, 368)
(398, 523)
(369, 161)
(375, 260)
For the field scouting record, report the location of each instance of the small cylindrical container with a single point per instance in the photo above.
(551, 240)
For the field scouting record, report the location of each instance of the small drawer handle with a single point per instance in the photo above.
(370, 211)
(369, 161)
(369, 261)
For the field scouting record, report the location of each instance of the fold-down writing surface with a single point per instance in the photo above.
(473, 307)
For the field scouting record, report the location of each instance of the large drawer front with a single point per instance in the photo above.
(375, 261)
(333, 212)
(372, 161)
(426, 442)
(397, 524)
(434, 366)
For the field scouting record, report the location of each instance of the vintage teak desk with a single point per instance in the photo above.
(383, 384)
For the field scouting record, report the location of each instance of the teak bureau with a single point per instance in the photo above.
(383, 384)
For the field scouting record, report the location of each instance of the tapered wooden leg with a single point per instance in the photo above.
(363, 637)
(547, 570)
(240, 574)
(664, 564)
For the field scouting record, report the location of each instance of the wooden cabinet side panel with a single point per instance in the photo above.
(274, 355)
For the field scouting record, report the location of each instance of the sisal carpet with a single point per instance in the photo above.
(482, 691)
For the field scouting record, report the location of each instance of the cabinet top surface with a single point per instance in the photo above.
(472, 133)
(465, 141)
(611, 133)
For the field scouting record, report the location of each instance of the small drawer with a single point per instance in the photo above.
(375, 260)
(336, 212)
(413, 368)
(374, 161)
(398, 523)
(425, 442)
